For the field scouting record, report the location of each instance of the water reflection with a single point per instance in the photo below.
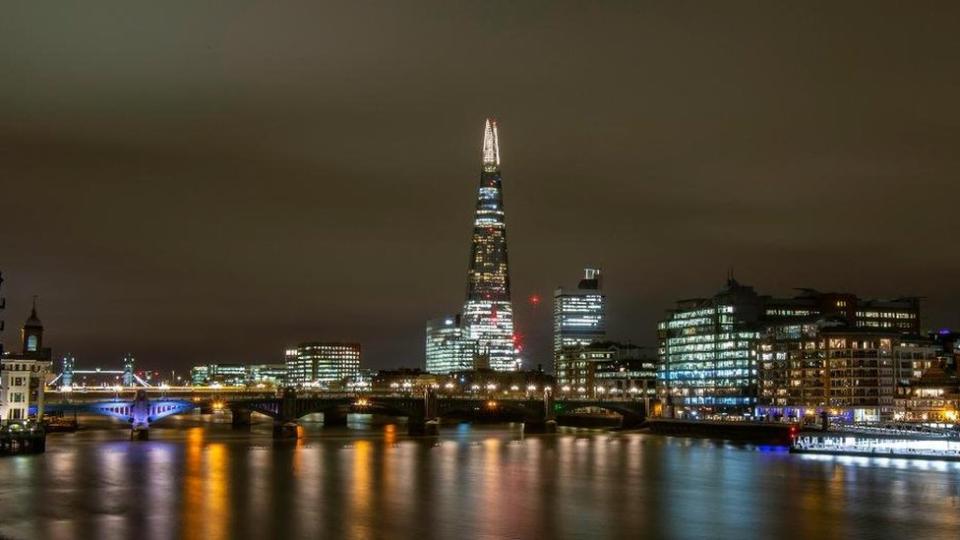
(194, 519)
(202, 480)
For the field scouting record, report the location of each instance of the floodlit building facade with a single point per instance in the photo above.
(23, 375)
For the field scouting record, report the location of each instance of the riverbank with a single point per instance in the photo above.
(754, 432)
(16, 439)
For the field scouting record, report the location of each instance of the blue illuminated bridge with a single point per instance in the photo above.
(423, 411)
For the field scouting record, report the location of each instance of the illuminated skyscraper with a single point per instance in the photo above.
(579, 316)
(488, 312)
(446, 349)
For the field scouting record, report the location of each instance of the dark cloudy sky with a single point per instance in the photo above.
(200, 182)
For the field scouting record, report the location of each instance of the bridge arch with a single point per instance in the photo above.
(632, 412)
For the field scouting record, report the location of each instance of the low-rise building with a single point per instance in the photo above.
(24, 375)
(933, 397)
(606, 368)
(269, 374)
(403, 380)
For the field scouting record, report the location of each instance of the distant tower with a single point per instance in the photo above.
(31, 336)
(128, 379)
(579, 316)
(66, 371)
(488, 312)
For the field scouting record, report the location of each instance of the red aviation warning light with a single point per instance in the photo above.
(534, 299)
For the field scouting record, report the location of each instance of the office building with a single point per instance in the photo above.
(199, 375)
(270, 374)
(579, 315)
(709, 351)
(219, 374)
(488, 311)
(446, 349)
(321, 364)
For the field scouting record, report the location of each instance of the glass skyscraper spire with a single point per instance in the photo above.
(488, 312)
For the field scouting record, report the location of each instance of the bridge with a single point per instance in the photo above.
(423, 412)
(139, 413)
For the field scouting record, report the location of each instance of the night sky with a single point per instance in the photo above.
(209, 183)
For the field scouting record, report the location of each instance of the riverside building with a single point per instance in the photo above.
(23, 375)
(849, 373)
(731, 353)
(605, 368)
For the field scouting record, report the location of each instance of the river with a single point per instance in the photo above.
(198, 478)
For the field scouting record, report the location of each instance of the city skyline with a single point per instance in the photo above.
(255, 277)
(209, 217)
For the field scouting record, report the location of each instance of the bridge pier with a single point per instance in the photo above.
(429, 423)
(240, 418)
(419, 426)
(547, 421)
(140, 433)
(540, 426)
(631, 421)
(286, 430)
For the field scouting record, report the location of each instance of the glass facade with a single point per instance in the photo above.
(740, 352)
(579, 316)
(322, 363)
(709, 360)
(447, 351)
(488, 311)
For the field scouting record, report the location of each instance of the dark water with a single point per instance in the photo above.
(196, 479)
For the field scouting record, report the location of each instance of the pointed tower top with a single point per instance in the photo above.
(33, 321)
(491, 146)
